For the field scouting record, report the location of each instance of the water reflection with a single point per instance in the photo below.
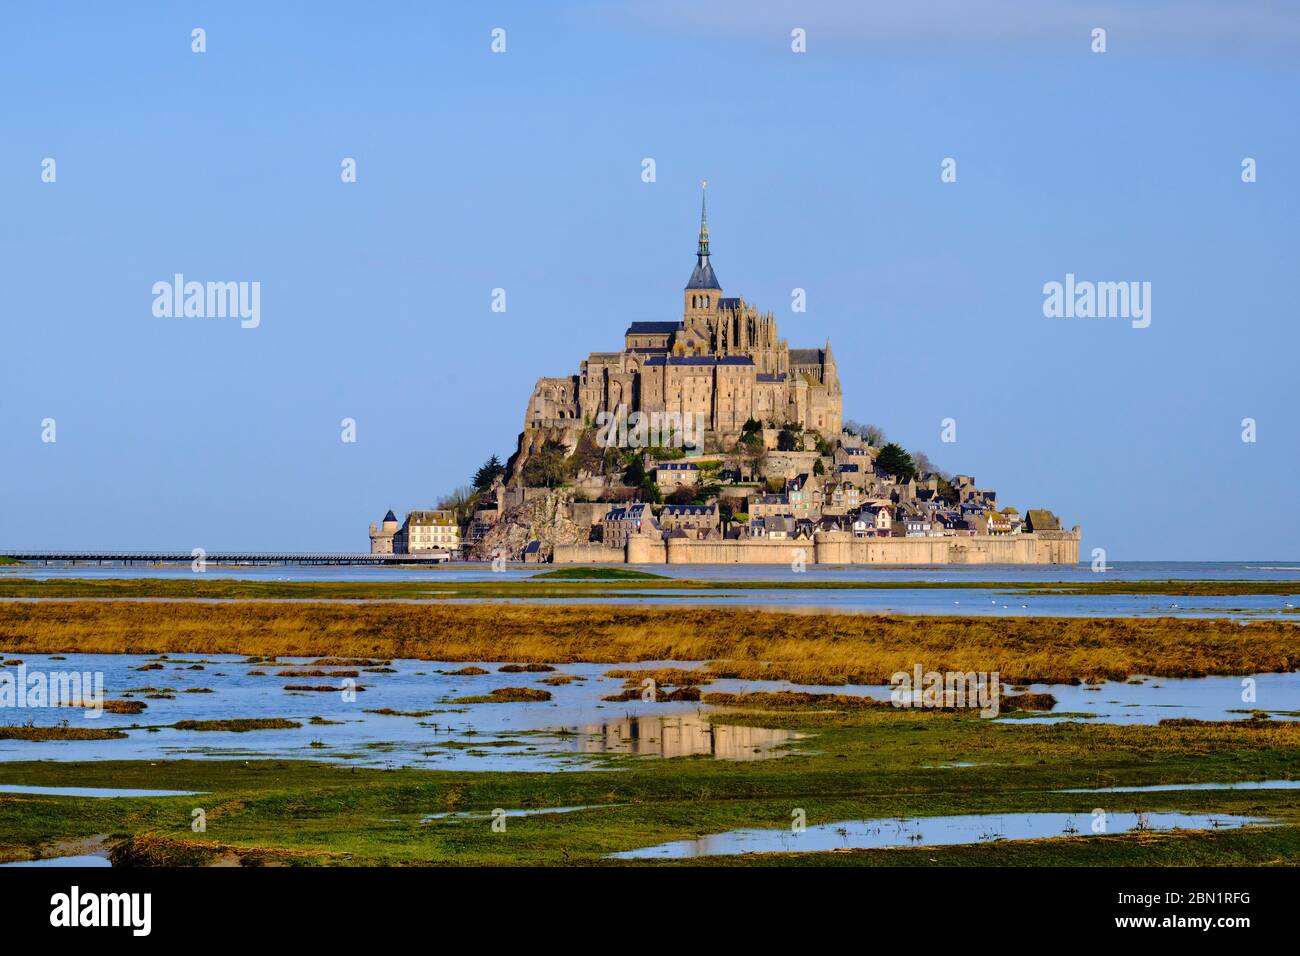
(678, 735)
(928, 831)
(73, 861)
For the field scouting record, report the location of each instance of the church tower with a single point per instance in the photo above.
(702, 291)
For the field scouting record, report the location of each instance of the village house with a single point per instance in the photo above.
(621, 523)
(763, 506)
(427, 531)
(878, 519)
(421, 533)
(850, 473)
(995, 522)
(675, 474)
(1040, 519)
(910, 524)
(840, 498)
(804, 492)
(696, 519)
(952, 523)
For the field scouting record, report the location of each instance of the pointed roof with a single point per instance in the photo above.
(390, 516)
(702, 277)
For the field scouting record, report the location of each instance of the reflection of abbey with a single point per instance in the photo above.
(724, 360)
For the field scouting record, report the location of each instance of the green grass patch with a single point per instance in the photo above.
(853, 763)
(598, 574)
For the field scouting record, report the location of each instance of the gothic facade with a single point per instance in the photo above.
(724, 360)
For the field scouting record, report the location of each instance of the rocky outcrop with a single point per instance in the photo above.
(531, 441)
(544, 517)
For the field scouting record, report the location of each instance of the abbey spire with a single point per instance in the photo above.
(702, 277)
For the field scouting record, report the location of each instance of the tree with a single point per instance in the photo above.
(871, 434)
(460, 503)
(484, 477)
(894, 460)
(819, 468)
(587, 455)
(947, 492)
(752, 425)
(634, 473)
(683, 495)
(751, 453)
(789, 439)
(548, 467)
(923, 463)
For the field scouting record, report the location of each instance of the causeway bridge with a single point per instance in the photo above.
(223, 557)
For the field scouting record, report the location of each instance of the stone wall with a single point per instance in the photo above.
(748, 551)
(593, 553)
(841, 547)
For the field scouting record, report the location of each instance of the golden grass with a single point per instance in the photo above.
(794, 698)
(750, 644)
(660, 696)
(507, 695)
(1027, 701)
(672, 676)
(238, 725)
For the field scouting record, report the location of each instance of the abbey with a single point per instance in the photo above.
(724, 361)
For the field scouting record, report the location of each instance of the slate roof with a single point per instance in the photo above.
(702, 276)
(807, 356)
(653, 328)
(684, 510)
(699, 360)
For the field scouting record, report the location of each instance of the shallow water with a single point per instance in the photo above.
(1162, 698)
(86, 860)
(568, 732)
(1238, 785)
(927, 831)
(1272, 570)
(485, 815)
(94, 791)
(564, 733)
(957, 601)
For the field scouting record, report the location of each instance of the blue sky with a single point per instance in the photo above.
(522, 171)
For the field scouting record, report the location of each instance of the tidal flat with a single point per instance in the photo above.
(810, 648)
(879, 764)
(1147, 713)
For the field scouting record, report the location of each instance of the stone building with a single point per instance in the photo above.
(427, 531)
(621, 523)
(724, 361)
(696, 519)
(421, 532)
(381, 536)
